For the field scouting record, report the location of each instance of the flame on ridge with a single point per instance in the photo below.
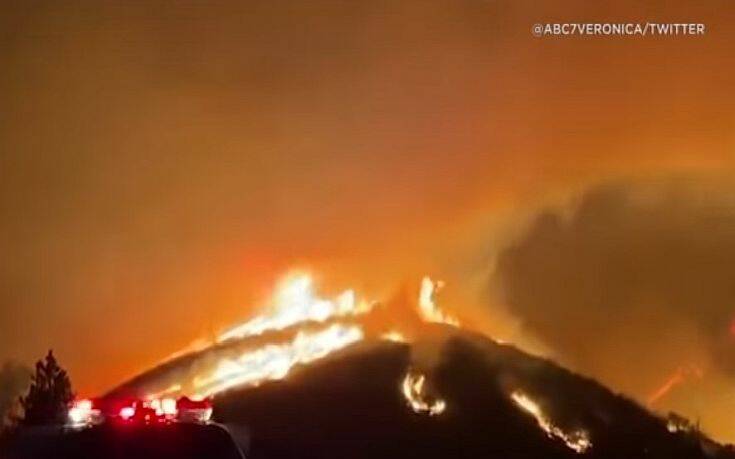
(294, 302)
(274, 361)
(428, 309)
(414, 390)
(298, 327)
(680, 376)
(577, 440)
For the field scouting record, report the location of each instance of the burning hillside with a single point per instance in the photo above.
(297, 328)
(482, 400)
(314, 377)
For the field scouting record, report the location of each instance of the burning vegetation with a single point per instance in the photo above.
(275, 361)
(576, 440)
(297, 328)
(414, 390)
(300, 328)
(428, 309)
(390, 383)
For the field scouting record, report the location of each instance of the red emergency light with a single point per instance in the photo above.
(85, 412)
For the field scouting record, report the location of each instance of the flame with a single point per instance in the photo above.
(395, 336)
(275, 361)
(297, 328)
(577, 440)
(428, 309)
(295, 302)
(172, 389)
(413, 388)
(675, 427)
(676, 423)
(681, 375)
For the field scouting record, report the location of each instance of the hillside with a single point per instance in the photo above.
(351, 405)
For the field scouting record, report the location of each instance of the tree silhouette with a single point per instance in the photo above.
(49, 395)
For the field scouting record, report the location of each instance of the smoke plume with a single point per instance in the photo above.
(14, 379)
(633, 285)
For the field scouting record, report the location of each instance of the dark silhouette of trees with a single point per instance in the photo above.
(49, 395)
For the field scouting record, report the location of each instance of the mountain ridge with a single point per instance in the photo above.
(350, 405)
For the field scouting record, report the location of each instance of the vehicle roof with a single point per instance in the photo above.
(166, 441)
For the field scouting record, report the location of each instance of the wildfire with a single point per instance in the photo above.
(395, 336)
(428, 309)
(577, 440)
(676, 423)
(295, 302)
(681, 375)
(414, 390)
(297, 328)
(275, 361)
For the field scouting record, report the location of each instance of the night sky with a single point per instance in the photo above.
(163, 163)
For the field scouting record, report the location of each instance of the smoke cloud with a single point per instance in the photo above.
(14, 379)
(635, 283)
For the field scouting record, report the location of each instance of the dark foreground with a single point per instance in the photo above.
(350, 406)
(174, 441)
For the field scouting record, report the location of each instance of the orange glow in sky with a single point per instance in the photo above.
(163, 164)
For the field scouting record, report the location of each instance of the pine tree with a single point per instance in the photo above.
(49, 395)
